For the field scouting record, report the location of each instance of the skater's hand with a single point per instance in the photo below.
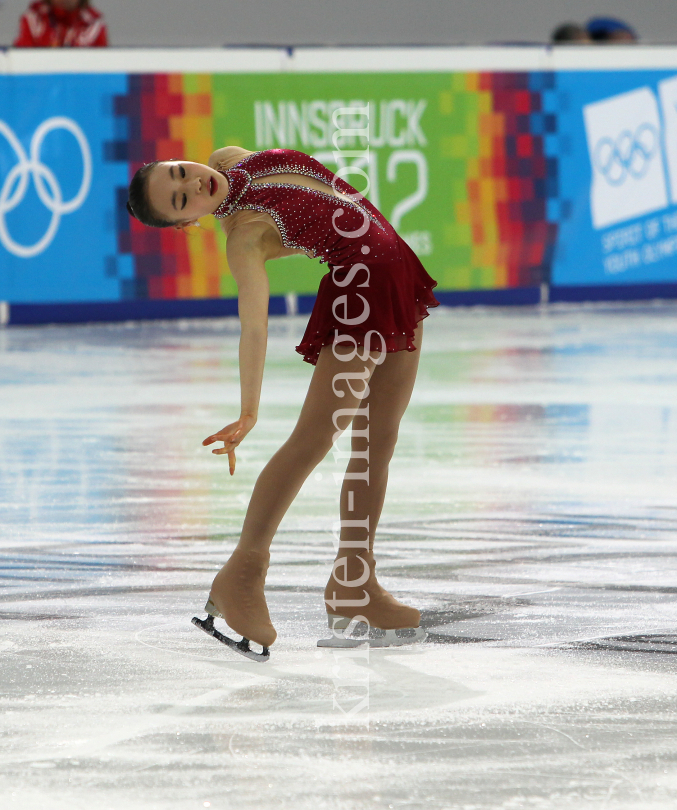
(231, 436)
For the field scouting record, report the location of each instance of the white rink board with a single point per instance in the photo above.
(335, 60)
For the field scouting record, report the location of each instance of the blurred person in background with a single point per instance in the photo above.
(61, 24)
(570, 34)
(610, 31)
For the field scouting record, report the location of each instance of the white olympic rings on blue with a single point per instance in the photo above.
(15, 184)
(629, 155)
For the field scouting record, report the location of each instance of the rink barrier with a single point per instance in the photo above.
(116, 311)
(112, 311)
(515, 296)
(504, 169)
(615, 292)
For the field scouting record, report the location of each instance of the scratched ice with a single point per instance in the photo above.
(532, 515)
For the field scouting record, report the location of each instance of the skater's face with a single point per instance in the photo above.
(182, 192)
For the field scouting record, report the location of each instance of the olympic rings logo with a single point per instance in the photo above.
(47, 186)
(629, 155)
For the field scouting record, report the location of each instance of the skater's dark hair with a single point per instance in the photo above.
(138, 204)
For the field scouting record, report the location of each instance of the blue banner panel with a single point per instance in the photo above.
(58, 237)
(617, 153)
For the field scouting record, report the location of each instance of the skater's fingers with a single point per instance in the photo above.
(230, 443)
(231, 462)
(228, 446)
(225, 436)
(221, 436)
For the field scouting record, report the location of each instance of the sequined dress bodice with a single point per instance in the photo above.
(319, 223)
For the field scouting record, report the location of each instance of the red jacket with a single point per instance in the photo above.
(45, 26)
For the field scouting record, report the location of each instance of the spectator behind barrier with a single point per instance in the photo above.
(570, 34)
(61, 24)
(610, 31)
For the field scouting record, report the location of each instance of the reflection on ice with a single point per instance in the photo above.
(531, 515)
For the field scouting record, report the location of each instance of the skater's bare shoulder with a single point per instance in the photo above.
(252, 235)
(227, 157)
(249, 230)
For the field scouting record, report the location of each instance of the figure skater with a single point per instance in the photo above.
(363, 337)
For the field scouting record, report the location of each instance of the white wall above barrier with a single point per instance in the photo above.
(336, 60)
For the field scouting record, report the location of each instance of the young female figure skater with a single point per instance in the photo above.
(363, 336)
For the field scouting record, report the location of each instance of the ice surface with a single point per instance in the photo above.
(532, 515)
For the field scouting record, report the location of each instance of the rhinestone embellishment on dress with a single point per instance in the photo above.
(297, 210)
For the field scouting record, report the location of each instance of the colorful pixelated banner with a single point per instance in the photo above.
(499, 181)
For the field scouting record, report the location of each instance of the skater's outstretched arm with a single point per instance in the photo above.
(248, 248)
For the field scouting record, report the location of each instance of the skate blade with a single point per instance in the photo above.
(342, 635)
(241, 647)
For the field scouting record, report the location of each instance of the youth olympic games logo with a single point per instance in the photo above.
(30, 166)
(624, 135)
(628, 155)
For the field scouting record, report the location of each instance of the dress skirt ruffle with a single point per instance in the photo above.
(389, 295)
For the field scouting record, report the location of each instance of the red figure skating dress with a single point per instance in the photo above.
(376, 280)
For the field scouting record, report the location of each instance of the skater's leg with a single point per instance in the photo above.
(310, 441)
(353, 588)
(390, 390)
(237, 591)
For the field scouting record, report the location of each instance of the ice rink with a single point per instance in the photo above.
(532, 516)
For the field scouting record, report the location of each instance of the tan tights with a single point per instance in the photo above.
(390, 387)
